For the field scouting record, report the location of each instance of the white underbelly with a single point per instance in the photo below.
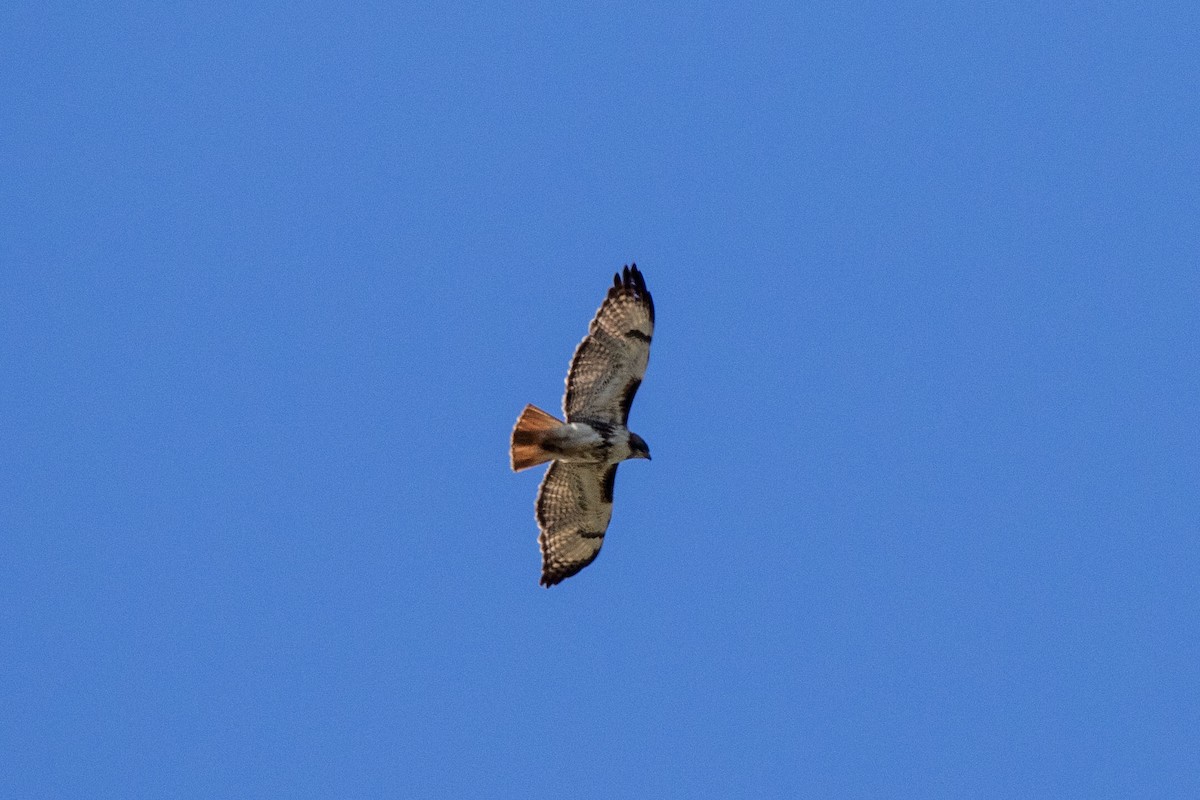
(580, 442)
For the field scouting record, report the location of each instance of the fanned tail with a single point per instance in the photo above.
(531, 426)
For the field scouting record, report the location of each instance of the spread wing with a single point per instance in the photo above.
(574, 506)
(609, 363)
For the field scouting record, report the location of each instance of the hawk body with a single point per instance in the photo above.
(574, 502)
(589, 443)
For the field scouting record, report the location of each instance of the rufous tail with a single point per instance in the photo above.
(531, 426)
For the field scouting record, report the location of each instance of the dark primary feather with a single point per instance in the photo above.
(634, 281)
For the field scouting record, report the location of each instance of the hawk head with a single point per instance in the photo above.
(637, 447)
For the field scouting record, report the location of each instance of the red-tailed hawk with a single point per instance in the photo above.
(574, 503)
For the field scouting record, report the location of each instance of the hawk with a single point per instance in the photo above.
(574, 502)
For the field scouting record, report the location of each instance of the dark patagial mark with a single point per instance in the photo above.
(627, 398)
(634, 333)
(610, 480)
(592, 534)
(603, 428)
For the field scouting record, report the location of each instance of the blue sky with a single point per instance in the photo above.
(922, 517)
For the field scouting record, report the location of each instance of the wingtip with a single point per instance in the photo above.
(638, 280)
(630, 277)
(630, 280)
(635, 282)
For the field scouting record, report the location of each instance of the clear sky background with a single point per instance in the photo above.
(923, 515)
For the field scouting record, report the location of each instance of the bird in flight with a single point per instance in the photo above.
(574, 502)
